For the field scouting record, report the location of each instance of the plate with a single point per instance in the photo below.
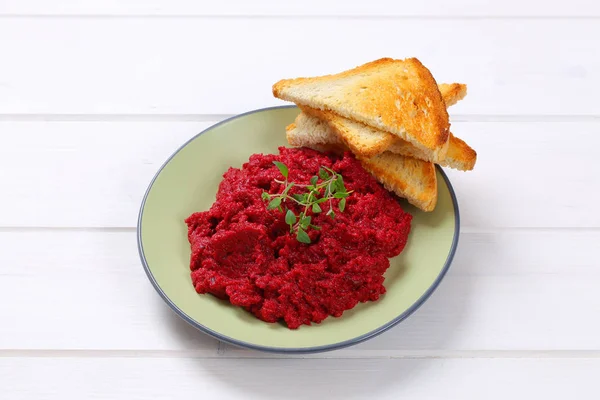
(188, 182)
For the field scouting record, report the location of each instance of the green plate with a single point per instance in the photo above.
(188, 182)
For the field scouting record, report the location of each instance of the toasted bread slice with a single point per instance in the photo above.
(397, 96)
(459, 155)
(318, 131)
(452, 93)
(408, 177)
(366, 141)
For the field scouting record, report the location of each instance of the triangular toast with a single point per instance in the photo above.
(396, 96)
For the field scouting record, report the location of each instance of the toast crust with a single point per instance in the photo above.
(399, 96)
(452, 93)
(459, 155)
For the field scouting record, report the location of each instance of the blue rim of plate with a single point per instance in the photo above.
(301, 350)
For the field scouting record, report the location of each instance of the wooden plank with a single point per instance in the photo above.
(185, 66)
(94, 174)
(506, 290)
(163, 378)
(60, 173)
(89, 291)
(436, 8)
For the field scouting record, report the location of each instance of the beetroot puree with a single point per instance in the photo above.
(242, 252)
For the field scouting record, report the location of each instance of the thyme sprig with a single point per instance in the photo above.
(323, 188)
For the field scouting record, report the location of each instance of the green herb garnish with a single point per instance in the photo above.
(325, 187)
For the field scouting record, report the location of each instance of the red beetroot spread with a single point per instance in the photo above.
(244, 253)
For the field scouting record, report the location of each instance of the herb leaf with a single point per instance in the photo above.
(342, 205)
(282, 168)
(323, 174)
(274, 203)
(290, 217)
(314, 180)
(305, 222)
(316, 208)
(300, 197)
(302, 236)
(339, 184)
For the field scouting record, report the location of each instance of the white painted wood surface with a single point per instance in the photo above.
(160, 378)
(95, 95)
(194, 66)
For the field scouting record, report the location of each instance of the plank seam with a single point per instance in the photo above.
(365, 354)
(301, 17)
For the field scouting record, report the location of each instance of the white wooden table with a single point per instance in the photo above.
(95, 95)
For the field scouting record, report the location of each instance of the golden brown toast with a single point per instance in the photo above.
(459, 155)
(366, 141)
(452, 93)
(397, 96)
(408, 177)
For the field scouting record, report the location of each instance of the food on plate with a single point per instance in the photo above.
(297, 236)
(307, 233)
(365, 141)
(391, 114)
